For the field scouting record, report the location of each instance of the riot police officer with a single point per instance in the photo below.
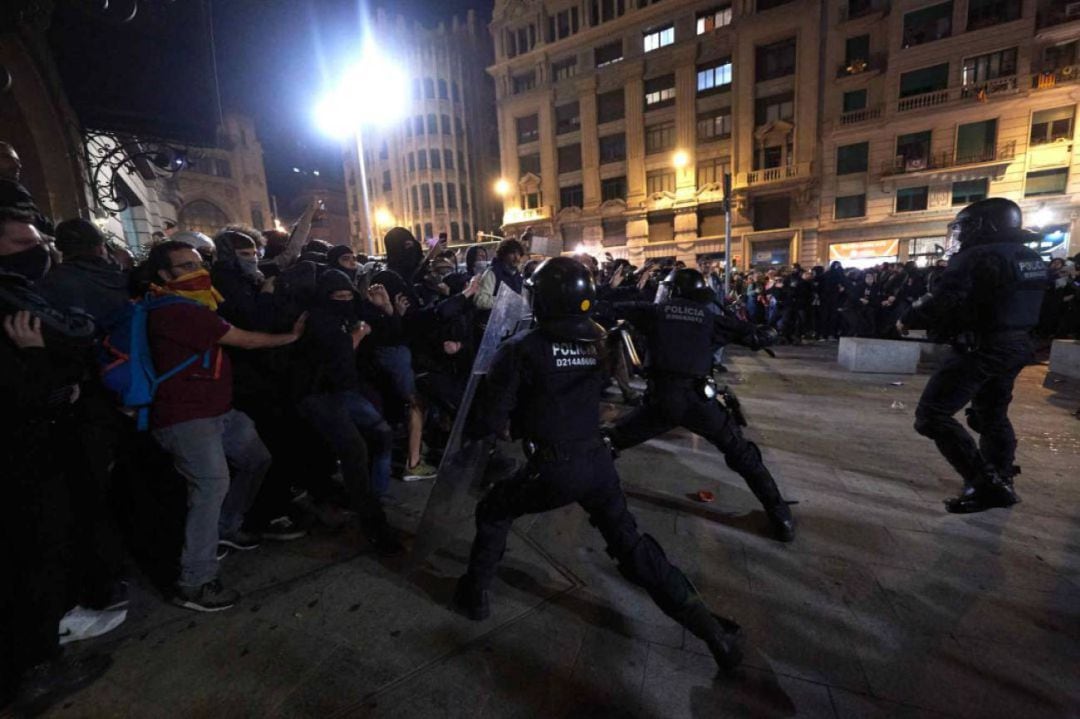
(683, 332)
(987, 300)
(548, 380)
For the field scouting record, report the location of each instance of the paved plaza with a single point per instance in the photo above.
(883, 606)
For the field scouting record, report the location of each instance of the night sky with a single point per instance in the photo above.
(275, 57)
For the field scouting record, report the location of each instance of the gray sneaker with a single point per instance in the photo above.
(421, 470)
(210, 597)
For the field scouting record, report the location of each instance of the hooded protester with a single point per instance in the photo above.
(87, 279)
(343, 259)
(476, 260)
(248, 300)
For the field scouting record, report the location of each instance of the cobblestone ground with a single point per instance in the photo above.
(883, 606)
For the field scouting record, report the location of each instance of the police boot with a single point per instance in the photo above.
(471, 600)
(782, 521)
(720, 635)
(988, 491)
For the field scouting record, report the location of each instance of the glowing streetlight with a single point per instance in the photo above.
(383, 218)
(502, 187)
(373, 91)
(680, 159)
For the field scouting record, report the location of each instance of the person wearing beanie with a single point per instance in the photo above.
(87, 280)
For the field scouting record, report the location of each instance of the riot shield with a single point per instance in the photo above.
(450, 504)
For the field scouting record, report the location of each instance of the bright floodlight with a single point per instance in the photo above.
(502, 187)
(374, 91)
(680, 159)
(383, 218)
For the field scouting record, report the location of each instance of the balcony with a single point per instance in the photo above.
(975, 92)
(1052, 78)
(855, 10)
(772, 176)
(856, 116)
(875, 63)
(1056, 13)
(531, 214)
(948, 160)
(923, 100)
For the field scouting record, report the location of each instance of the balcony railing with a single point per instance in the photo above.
(974, 92)
(851, 11)
(1052, 78)
(949, 159)
(531, 214)
(777, 174)
(983, 90)
(926, 99)
(855, 116)
(875, 62)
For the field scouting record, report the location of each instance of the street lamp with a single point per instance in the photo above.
(371, 92)
(502, 187)
(680, 159)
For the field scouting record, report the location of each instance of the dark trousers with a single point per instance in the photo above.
(678, 403)
(589, 479)
(984, 377)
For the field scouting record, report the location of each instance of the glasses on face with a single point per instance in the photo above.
(186, 267)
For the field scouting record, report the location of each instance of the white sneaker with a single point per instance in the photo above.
(81, 623)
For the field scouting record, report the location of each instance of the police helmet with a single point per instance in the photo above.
(562, 294)
(989, 220)
(684, 284)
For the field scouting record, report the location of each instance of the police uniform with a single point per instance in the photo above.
(988, 299)
(683, 334)
(547, 381)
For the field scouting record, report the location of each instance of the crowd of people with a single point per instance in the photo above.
(289, 383)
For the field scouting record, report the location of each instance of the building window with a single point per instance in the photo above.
(421, 159)
(567, 118)
(408, 127)
(610, 106)
(455, 232)
(601, 11)
(659, 181)
(468, 233)
(459, 129)
(774, 108)
(854, 100)
(713, 18)
(572, 196)
(415, 201)
(981, 68)
(418, 124)
(1050, 125)
(613, 188)
(412, 162)
(461, 160)
(436, 160)
(711, 172)
(528, 129)
(520, 41)
(659, 92)
(428, 231)
(524, 82)
(443, 94)
(924, 80)
(913, 150)
(439, 204)
(976, 142)
(1046, 182)
(386, 181)
(928, 24)
(984, 13)
(454, 91)
(613, 148)
(608, 54)
(529, 164)
(659, 137)
(911, 199)
(451, 196)
(564, 69)
(432, 124)
(856, 50)
(714, 125)
(850, 206)
(530, 201)
(763, 5)
(563, 24)
(964, 193)
(775, 60)
(448, 159)
(417, 230)
(417, 88)
(716, 76)
(425, 197)
(852, 158)
(444, 124)
(429, 88)
(570, 158)
(656, 39)
(464, 199)
(614, 231)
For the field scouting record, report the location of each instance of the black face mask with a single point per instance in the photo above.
(342, 308)
(31, 264)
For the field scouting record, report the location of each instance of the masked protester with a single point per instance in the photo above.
(88, 279)
(247, 298)
(343, 259)
(988, 301)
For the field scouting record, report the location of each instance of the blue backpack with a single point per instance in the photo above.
(127, 366)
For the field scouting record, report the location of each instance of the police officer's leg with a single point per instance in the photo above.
(989, 416)
(949, 389)
(641, 425)
(711, 421)
(535, 488)
(642, 561)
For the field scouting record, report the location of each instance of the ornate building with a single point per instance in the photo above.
(619, 118)
(433, 171)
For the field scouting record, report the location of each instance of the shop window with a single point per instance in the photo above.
(1046, 182)
(912, 199)
(928, 24)
(850, 206)
(852, 158)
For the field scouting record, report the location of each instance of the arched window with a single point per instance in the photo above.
(442, 90)
(436, 160)
(432, 124)
(416, 93)
(427, 230)
(202, 216)
(445, 124)
(416, 231)
(429, 88)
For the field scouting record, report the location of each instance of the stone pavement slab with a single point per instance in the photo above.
(884, 606)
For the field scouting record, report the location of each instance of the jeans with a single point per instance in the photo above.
(396, 361)
(202, 452)
(344, 419)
